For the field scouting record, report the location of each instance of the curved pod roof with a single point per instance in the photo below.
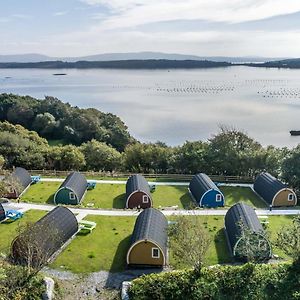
(137, 183)
(151, 225)
(22, 179)
(201, 185)
(2, 213)
(269, 188)
(241, 215)
(76, 183)
(47, 235)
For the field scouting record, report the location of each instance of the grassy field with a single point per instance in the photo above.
(113, 196)
(245, 194)
(218, 252)
(57, 142)
(10, 230)
(41, 192)
(103, 249)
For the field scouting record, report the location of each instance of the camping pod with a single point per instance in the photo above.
(17, 182)
(273, 191)
(138, 192)
(242, 225)
(45, 237)
(148, 245)
(2, 213)
(205, 192)
(72, 190)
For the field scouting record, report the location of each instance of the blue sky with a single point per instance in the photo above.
(215, 27)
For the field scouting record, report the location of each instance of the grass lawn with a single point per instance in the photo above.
(236, 194)
(276, 223)
(41, 192)
(218, 250)
(113, 196)
(9, 230)
(103, 249)
(57, 142)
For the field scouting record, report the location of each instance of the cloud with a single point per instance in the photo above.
(137, 12)
(21, 16)
(60, 13)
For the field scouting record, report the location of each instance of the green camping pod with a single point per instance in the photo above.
(72, 190)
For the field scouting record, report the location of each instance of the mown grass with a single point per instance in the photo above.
(109, 196)
(9, 230)
(103, 249)
(218, 252)
(41, 192)
(235, 194)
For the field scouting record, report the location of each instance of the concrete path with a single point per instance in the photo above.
(125, 213)
(150, 182)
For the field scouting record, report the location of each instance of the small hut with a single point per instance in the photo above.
(205, 192)
(18, 181)
(148, 246)
(72, 190)
(242, 217)
(2, 213)
(46, 236)
(273, 191)
(138, 192)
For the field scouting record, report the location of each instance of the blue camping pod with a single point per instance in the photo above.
(205, 192)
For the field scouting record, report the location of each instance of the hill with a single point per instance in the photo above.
(119, 64)
(145, 55)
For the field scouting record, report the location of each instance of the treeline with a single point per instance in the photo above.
(286, 64)
(229, 152)
(119, 64)
(53, 119)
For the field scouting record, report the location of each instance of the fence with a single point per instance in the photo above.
(156, 177)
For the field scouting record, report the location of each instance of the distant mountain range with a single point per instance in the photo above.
(33, 58)
(118, 64)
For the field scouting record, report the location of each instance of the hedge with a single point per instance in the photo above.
(250, 281)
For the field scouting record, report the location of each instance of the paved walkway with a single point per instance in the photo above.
(125, 213)
(150, 182)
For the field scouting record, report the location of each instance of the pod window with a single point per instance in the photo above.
(72, 196)
(145, 199)
(218, 198)
(155, 253)
(262, 245)
(291, 197)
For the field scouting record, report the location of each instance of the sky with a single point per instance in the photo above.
(269, 28)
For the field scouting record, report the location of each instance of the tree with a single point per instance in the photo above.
(288, 240)
(290, 168)
(232, 152)
(191, 158)
(2, 161)
(99, 156)
(189, 240)
(147, 158)
(44, 124)
(250, 246)
(67, 157)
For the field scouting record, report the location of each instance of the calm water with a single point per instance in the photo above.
(177, 105)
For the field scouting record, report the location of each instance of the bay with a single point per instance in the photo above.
(177, 105)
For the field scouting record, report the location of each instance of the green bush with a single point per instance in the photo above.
(15, 284)
(250, 282)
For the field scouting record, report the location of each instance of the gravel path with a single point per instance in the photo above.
(128, 212)
(88, 286)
